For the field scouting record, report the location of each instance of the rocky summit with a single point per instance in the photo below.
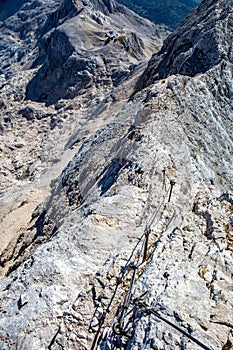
(116, 188)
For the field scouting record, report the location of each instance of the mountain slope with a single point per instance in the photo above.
(62, 62)
(56, 50)
(170, 13)
(140, 222)
(202, 42)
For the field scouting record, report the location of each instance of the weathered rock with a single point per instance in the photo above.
(199, 44)
(139, 222)
(57, 52)
(74, 56)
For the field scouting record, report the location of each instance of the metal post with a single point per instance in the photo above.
(172, 184)
(147, 232)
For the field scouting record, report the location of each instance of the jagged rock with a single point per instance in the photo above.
(138, 224)
(199, 44)
(30, 113)
(67, 10)
(133, 44)
(62, 39)
(70, 64)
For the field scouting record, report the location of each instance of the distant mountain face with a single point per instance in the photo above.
(169, 12)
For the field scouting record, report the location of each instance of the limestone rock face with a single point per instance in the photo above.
(88, 51)
(68, 55)
(136, 236)
(202, 41)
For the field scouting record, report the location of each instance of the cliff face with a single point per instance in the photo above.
(88, 53)
(72, 43)
(138, 229)
(202, 42)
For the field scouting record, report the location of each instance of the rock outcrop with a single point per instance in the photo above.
(133, 249)
(72, 56)
(92, 50)
(202, 42)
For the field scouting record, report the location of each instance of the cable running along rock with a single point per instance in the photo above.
(118, 326)
(155, 313)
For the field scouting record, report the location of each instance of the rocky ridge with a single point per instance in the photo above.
(140, 220)
(203, 41)
(62, 64)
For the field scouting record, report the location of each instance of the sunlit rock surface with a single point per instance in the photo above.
(139, 221)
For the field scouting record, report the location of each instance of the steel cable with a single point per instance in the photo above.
(155, 313)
